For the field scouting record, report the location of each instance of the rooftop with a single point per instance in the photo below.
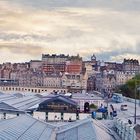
(15, 102)
(61, 98)
(6, 97)
(86, 96)
(24, 103)
(25, 127)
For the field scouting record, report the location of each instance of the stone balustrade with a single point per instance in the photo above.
(125, 130)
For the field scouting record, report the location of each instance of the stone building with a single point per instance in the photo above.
(55, 68)
(53, 81)
(91, 86)
(122, 77)
(74, 82)
(54, 64)
(74, 64)
(36, 64)
(106, 81)
(54, 59)
(131, 65)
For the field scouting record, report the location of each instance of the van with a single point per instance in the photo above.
(124, 107)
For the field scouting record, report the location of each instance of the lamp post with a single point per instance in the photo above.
(135, 104)
(135, 114)
(139, 94)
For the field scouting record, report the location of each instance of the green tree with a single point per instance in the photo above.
(124, 90)
(93, 106)
(129, 88)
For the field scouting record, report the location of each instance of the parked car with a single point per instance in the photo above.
(124, 107)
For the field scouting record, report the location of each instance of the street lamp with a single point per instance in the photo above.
(135, 114)
(139, 94)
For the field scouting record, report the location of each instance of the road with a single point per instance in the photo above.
(129, 114)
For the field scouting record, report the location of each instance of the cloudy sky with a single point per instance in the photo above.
(108, 28)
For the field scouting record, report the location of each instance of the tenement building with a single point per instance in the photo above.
(131, 65)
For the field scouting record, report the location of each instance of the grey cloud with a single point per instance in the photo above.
(128, 49)
(73, 26)
(133, 5)
(4, 36)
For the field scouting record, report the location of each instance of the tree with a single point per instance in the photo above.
(93, 106)
(129, 88)
(124, 90)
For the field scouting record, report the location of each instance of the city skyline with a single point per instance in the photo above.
(110, 30)
(66, 55)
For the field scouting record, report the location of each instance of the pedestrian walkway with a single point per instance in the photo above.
(105, 130)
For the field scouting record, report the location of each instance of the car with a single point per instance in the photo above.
(124, 107)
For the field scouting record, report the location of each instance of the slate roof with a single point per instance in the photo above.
(25, 127)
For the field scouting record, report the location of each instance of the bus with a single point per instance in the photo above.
(117, 97)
